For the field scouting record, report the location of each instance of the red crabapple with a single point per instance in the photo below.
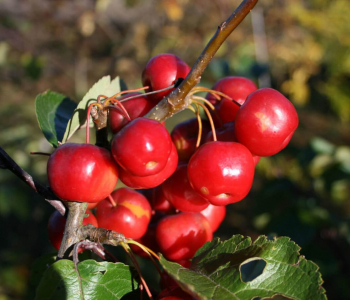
(142, 147)
(180, 236)
(130, 215)
(161, 72)
(266, 122)
(151, 181)
(221, 172)
(82, 172)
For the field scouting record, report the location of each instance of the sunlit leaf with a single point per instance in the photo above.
(216, 271)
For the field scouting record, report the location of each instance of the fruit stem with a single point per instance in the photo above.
(124, 92)
(205, 101)
(137, 267)
(197, 112)
(40, 153)
(148, 93)
(161, 90)
(112, 257)
(148, 251)
(208, 116)
(121, 107)
(111, 200)
(198, 89)
(143, 247)
(120, 111)
(99, 98)
(217, 94)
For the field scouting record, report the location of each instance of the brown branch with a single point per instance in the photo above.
(76, 212)
(6, 162)
(176, 101)
(100, 235)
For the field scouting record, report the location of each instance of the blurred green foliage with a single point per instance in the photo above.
(66, 46)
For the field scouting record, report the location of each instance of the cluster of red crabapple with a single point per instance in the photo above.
(178, 184)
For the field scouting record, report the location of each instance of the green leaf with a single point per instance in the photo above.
(95, 280)
(103, 87)
(216, 271)
(53, 111)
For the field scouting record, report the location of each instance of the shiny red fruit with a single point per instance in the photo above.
(161, 72)
(130, 216)
(238, 88)
(56, 225)
(215, 215)
(221, 172)
(136, 107)
(180, 236)
(184, 136)
(178, 191)
(266, 122)
(82, 172)
(142, 147)
(151, 181)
